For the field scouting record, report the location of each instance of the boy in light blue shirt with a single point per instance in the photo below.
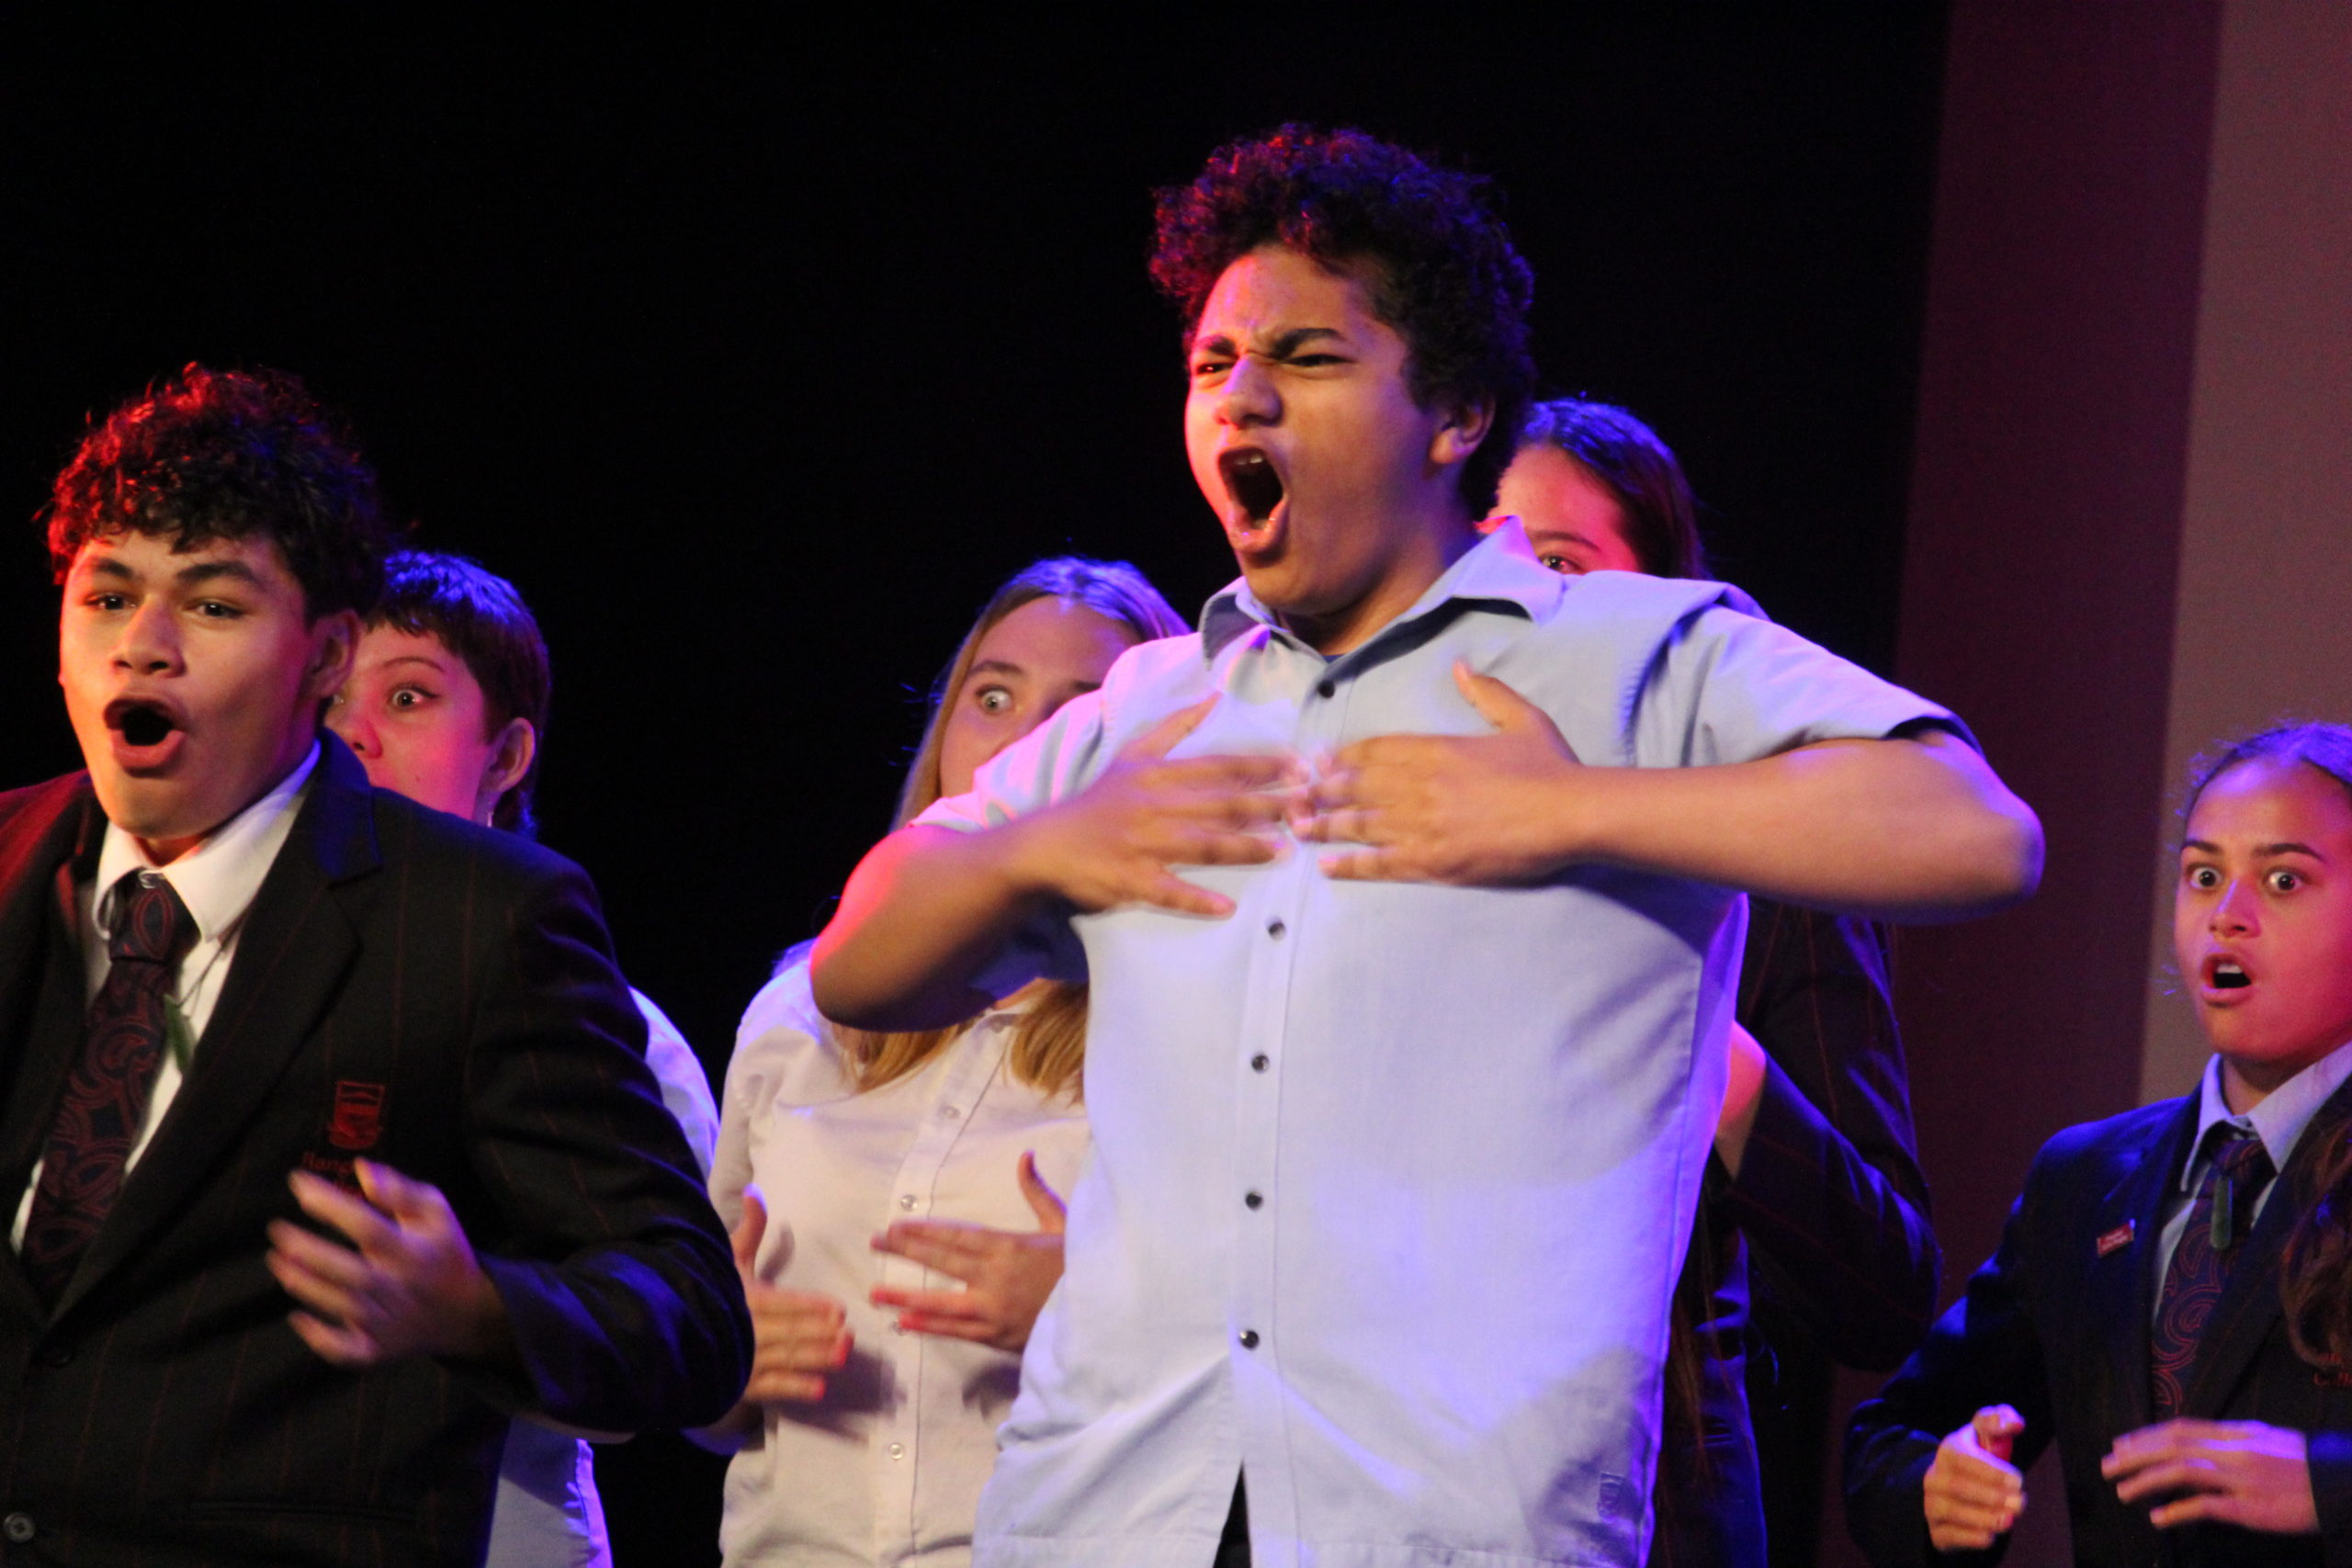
(1396, 1142)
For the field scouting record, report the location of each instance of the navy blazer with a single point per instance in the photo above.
(1826, 1222)
(410, 988)
(2057, 1325)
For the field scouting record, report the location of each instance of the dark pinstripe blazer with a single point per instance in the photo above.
(2057, 1325)
(435, 996)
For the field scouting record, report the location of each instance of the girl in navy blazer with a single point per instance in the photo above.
(2176, 1318)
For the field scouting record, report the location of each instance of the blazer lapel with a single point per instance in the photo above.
(41, 990)
(39, 945)
(2123, 1282)
(290, 959)
(2251, 1303)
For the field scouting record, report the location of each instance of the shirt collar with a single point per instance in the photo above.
(1500, 569)
(2281, 1117)
(216, 880)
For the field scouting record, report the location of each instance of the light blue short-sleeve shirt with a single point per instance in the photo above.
(1392, 1181)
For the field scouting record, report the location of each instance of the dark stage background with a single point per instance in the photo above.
(758, 358)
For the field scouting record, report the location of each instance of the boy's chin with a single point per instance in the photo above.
(157, 811)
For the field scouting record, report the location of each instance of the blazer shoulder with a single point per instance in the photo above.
(349, 827)
(428, 840)
(34, 806)
(2103, 1150)
(41, 825)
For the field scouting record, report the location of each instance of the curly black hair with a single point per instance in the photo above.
(226, 455)
(1435, 257)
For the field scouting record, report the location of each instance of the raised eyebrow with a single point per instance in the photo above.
(2261, 851)
(994, 667)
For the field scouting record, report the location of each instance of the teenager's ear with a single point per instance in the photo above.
(334, 648)
(518, 742)
(1463, 431)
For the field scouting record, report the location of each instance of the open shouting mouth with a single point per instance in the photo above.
(146, 733)
(1256, 494)
(2223, 975)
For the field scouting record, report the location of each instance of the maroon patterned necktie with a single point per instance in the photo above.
(2212, 1242)
(106, 1094)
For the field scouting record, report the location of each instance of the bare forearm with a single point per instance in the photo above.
(927, 910)
(922, 915)
(1898, 830)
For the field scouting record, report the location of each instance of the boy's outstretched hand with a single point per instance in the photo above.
(2237, 1472)
(1972, 1493)
(407, 1285)
(1473, 811)
(1113, 842)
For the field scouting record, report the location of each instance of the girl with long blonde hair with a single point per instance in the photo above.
(892, 1196)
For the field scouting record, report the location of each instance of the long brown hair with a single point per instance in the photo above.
(1048, 1048)
(1629, 461)
(2315, 1281)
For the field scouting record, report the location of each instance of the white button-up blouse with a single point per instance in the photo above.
(886, 1469)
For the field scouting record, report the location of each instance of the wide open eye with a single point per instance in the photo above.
(993, 701)
(2204, 877)
(2285, 881)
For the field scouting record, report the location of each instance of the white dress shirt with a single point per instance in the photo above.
(217, 881)
(886, 1469)
(2279, 1122)
(1392, 1181)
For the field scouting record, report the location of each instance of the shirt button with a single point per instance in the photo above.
(56, 1355)
(1327, 688)
(17, 1527)
(1249, 1339)
(898, 1450)
(1258, 1063)
(906, 1201)
(948, 1113)
(1254, 1200)
(1275, 928)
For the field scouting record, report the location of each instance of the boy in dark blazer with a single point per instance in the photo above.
(272, 1040)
